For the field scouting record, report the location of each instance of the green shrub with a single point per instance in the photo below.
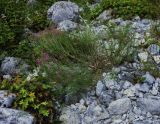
(79, 56)
(151, 67)
(119, 44)
(16, 16)
(67, 59)
(155, 31)
(130, 8)
(13, 20)
(34, 95)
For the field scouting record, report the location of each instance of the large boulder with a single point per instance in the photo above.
(11, 116)
(13, 66)
(63, 10)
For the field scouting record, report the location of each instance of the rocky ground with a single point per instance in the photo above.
(122, 100)
(118, 98)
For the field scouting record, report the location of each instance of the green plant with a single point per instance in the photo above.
(12, 21)
(66, 58)
(155, 31)
(76, 58)
(129, 8)
(90, 12)
(72, 78)
(16, 16)
(33, 95)
(151, 67)
(119, 44)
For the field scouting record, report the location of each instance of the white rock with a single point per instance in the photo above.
(154, 91)
(143, 56)
(130, 92)
(157, 58)
(7, 77)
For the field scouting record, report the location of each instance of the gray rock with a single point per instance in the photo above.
(105, 98)
(111, 83)
(154, 49)
(142, 122)
(145, 21)
(149, 78)
(12, 66)
(69, 117)
(99, 88)
(67, 25)
(105, 15)
(119, 106)
(149, 105)
(157, 58)
(11, 116)
(63, 10)
(154, 90)
(144, 88)
(6, 98)
(97, 110)
(137, 111)
(127, 84)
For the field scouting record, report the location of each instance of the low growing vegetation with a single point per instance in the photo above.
(71, 62)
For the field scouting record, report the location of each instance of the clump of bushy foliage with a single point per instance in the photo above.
(16, 17)
(13, 19)
(126, 9)
(119, 44)
(131, 8)
(33, 94)
(155, 31)
(75, 59)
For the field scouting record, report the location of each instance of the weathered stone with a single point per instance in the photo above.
(119, 106)
(149, 78)
(157, 58)
(144, 88)
(69, 117)
(63, 10)
(67, 25)
(6, 98)
(105, 15)
(105, 98)
(130, 92)
(143, 56)
(99, 88)
(149, 105)
(127, 84)
(11, 116)
(13, 66)
(154, 49)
